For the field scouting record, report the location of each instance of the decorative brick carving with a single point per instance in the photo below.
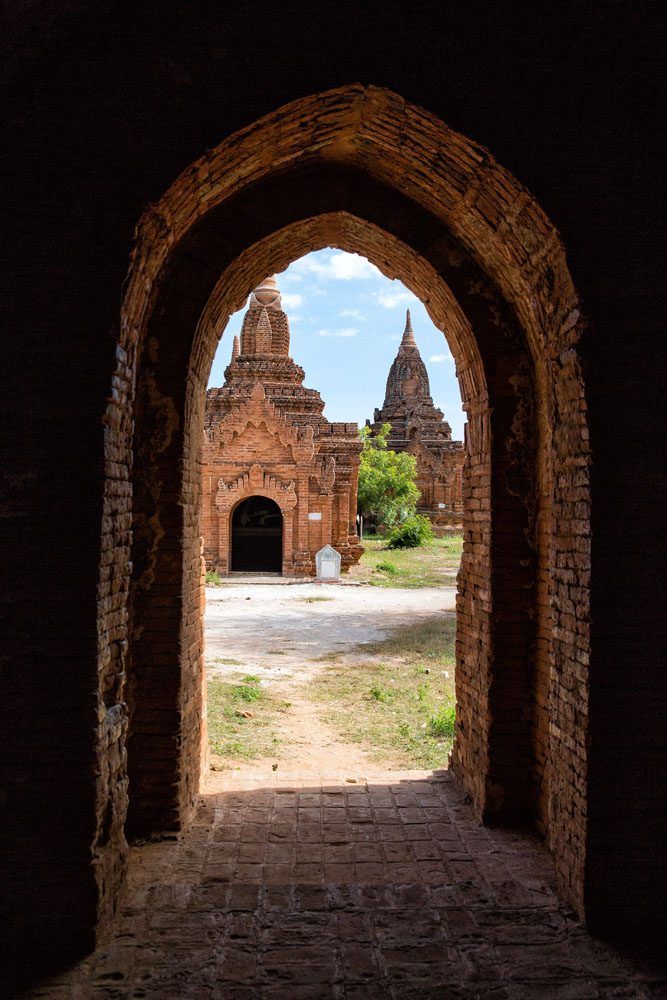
(255, 481)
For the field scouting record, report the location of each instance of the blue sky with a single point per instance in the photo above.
(346, 321)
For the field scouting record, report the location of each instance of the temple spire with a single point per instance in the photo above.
(408, 336)
(236, 348)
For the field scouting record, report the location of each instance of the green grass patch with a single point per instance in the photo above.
(313, 600)
(382, 694)
(433, 564)
(399, 703)
(443, 724)
(243, 718)
(248, 690)
(213, 578)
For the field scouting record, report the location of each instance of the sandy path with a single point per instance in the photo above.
(279, 633)
(276, 631)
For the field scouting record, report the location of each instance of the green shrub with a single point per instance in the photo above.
(411, 533)
(386, 567)
(213, 578)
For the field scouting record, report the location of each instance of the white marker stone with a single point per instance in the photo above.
(327, 562)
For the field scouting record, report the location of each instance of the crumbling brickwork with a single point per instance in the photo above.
(419, 428)
(266, 435)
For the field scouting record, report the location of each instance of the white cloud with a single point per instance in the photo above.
(339, 266)
(347, 331)
(352, 313)
(348, 266)
(291, 300)
(392, 299)
(437, 358)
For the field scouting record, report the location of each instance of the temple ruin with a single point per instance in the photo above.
(419, 428)
(279, 480)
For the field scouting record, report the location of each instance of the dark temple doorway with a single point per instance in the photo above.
(257, 536)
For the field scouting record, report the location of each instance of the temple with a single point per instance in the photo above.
(279, 480)
(419, 428)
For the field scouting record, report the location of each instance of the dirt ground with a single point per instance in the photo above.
(281, 633)
(277, 631)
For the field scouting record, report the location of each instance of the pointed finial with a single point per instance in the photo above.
(236, 349)
(408, 335)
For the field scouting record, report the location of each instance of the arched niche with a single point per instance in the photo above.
(256, 527)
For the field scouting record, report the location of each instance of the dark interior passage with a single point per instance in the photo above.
(257, 536)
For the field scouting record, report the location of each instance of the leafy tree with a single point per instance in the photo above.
(387, 487)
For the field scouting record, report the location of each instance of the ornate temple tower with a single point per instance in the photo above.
(420, 428)
(279, 480)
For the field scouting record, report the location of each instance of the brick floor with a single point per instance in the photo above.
(383, 886)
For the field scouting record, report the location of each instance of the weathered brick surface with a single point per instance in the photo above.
(310, 886)
(265, 435)
(419, 428)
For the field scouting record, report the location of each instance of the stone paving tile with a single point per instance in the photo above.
(314, 886)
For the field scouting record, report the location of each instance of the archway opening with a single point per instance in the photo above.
(436, 211)
(339, 325)
(257, 536)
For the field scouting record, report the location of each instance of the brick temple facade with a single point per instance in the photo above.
(279, 480)
(419, 428)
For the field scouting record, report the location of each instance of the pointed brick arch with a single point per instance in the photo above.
(361, 169)
(255, 482)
